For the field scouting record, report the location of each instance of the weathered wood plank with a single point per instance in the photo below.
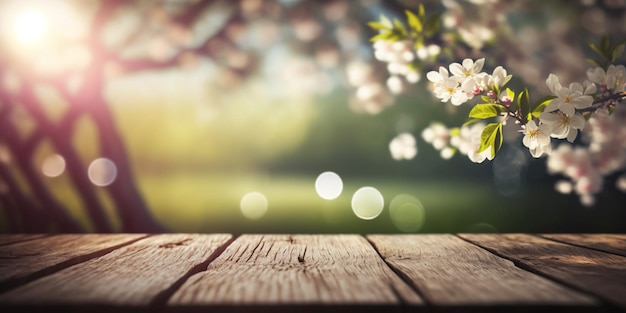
(139, 274)
(25, 261)
(595, 272)
(603, 242)
(449, 271)
(296, 270)
(6, 239)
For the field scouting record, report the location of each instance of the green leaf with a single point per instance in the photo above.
(397, 25)
(596, 49)
(510, 93)
(378, 26)
(414, 21)
(605, 45)
(419, 42)
(541, 105)
(523, 103)
(470, 122)
(491, 137)
(486, 99)
(594, 62)
(433, 24)
(496, 89)
(385, 21)
(617, 52)
(421, 11)
(382, 36)
(485, 110)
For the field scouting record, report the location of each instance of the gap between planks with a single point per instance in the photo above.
(164, 296)
(35, 264)
(607, 282)
(144, 273)
(608, 243)
(278, 270)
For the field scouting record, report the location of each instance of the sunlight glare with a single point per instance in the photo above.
(30, 27)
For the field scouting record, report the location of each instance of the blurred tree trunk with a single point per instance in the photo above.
(37, 210)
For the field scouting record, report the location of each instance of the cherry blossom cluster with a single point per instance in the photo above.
(465, 140)
(588, 108)
(569, 110)
(466, 81)
(604, 154)
(563, 117)
(403, 147)
(399, 56)
(371, 96)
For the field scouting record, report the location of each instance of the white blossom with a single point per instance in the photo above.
(576, 164)
(399, 56)
(447, 88)
(395, 84)
(403, 147)
(613, 79)
(568, 99)
(499, 78)
(537, 138)
(620, 183)
(562, 125)
(436, 134)
(468, 142)
(468, 69)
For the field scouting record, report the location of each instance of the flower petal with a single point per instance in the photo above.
(553, 83)
(457, 70)
(478, 65)
(434, 77)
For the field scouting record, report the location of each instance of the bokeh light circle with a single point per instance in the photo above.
(367, 203)
(253, 205)
(328, 185)
(53, 165)
(407, 213)
(102, 172)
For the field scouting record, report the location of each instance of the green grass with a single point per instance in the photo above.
(209, 202)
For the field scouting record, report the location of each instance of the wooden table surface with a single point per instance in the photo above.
(295, 273)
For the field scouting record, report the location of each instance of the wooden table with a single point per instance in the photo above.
(294, 273)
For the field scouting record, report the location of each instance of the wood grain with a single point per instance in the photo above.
(136, 275)
(25, 261)
(6, 239)
(604, 242)
(450, 271)
(598, 273)
(298, 269)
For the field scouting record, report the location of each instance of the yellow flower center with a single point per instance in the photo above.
(564, 119)
(534, 133)
(568, 98)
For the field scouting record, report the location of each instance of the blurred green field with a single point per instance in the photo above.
(210, 202)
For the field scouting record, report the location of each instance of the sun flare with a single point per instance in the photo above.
(30, 27)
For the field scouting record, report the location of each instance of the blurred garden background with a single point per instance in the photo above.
(219, 116)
